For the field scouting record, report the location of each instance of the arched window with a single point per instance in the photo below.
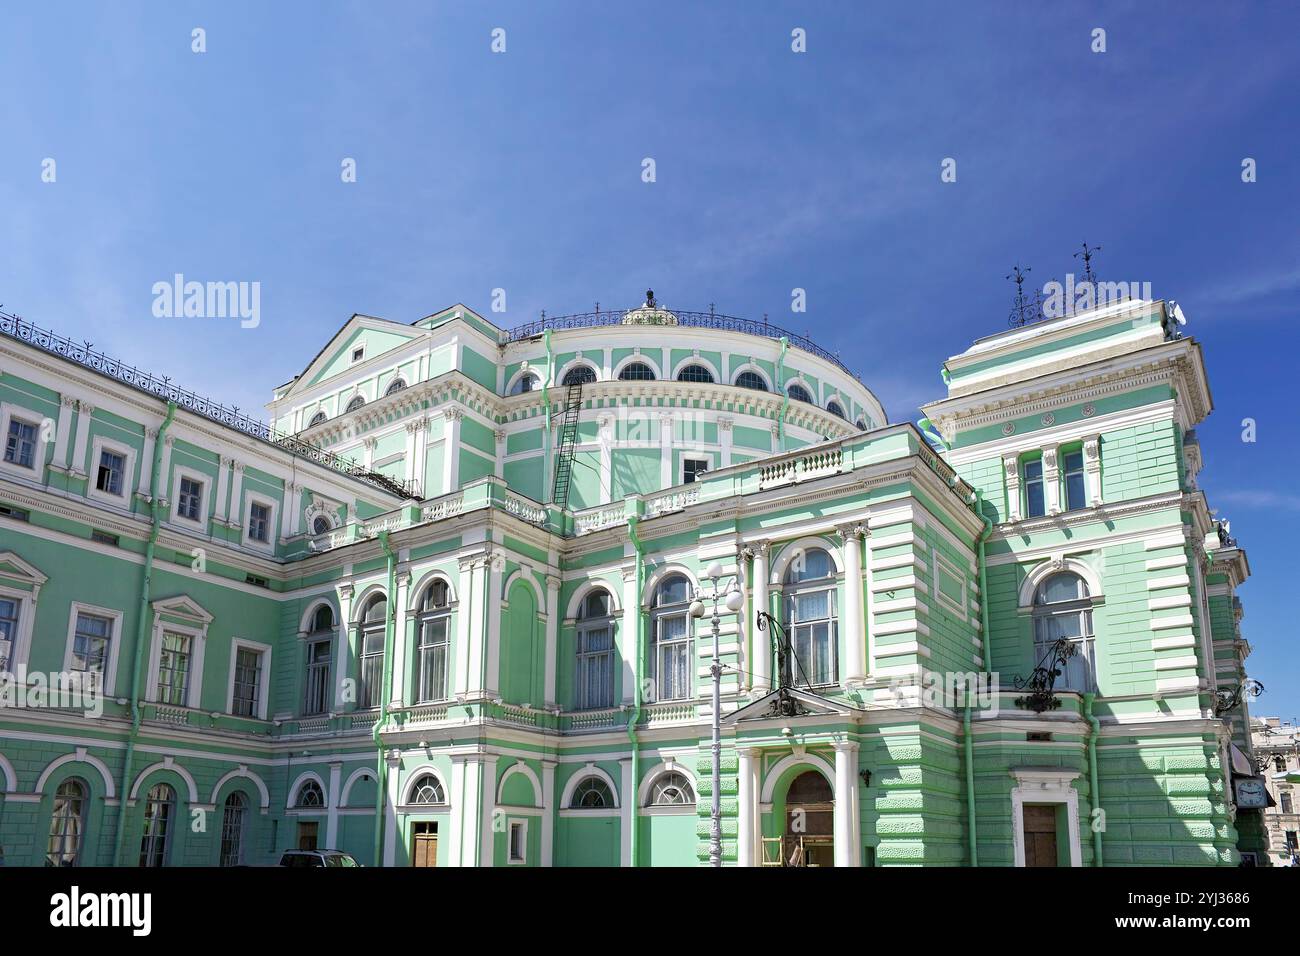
(67, 824)
(1063, 611)
(636, 372)
(319, 643)
(595, 683)
(670, 662)
(159, 808)
(427, 791)
(860, 425)
(371, 665)
(695, 373)
(592, 794)
(435, 642)
(810, 614)
(321, 524)
(317, 419)
(799, 393)
(672, 789)
(234, 820)
(310, 796)
(528, 382)
(836, 409)
(579, 375)
(357, 402)
(395, 386)
(751, 379)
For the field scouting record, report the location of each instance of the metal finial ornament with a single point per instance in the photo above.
(1086, 255)
(650, 298)
(1022, 306)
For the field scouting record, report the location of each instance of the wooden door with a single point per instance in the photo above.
(307, 835)
(1040, 835)
(424, 844)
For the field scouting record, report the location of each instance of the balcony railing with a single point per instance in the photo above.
(695, 320)
(162, 387)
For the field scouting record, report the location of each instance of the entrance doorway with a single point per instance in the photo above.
(424, 844)
(1040, 835)
(307, 831)
(809, 837)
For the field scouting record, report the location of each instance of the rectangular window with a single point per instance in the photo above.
(370, 668)
(358, 354)
(248, 677)
(692, 468)
(1076, 495)
(190, 503)
(518, 841)
(112, 468)
(1291, 842)
(433, 659)
(317, 700)
(812, 633)
(595, 666)
(1035, 500)
(259, 522)
(174, 669)
(1286, 803)
(20, 444)
(8, 631)
(90, 643)
(673, 657)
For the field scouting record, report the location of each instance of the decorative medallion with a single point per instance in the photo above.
(1009, 428)
(1089, 410)
(1049, 419)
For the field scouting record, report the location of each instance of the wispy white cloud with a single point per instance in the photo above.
(1260, 499)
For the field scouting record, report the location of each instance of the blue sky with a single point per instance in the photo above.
(775, 170)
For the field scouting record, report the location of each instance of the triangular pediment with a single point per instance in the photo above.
(15, 569)
(764, 707)
(182, 607)
(374, 336)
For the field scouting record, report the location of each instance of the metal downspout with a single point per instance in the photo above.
(1095, 795)
(968, 741)
(385, 693)
(780, 384)
(142, 629)
(635, 717)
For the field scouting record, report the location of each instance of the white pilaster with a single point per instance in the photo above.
(79, 467)
(223, 485)
(394, 762)
(548, 812)
(401, 653)
(627, 808)
(451, 449)
(488, 819)
(1011, 470)
(761, 656)
(332, 796)
(666, 477)
(724, 439)
(867, 620)
(606, 435)
(552, 639)
(855, 669)
(747, 800)
(1052, 480)
(236, 517)
(847, 824)
(341, 644)
(64, 425)
(627, 644)
(492, 639)
(1092, 469)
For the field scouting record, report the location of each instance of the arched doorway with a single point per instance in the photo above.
(808, 838)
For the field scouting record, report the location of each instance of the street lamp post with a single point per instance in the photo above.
(734, 602)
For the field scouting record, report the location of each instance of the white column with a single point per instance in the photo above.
(847, 825)
(627, 644)
(867, 620)
(1092, 469)
(552, 639)
(466, 780)
(451, 449)
(236, 515)
(1052, 480)
(84, 411)
(341, 644)
(223, 485)
(1011, 469)
(332, 797)
(488, 820)
(627, 808)
(548, 812)
(401, 652)
(761, 658)
(390, 809)
(854, 644)
(747, 800)
(742, 620)
(61, 429)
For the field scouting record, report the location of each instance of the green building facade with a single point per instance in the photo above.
(439, 613)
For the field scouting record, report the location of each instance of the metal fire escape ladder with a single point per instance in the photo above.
(568, 437)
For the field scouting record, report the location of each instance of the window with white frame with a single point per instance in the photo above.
(595, 681)
(321, 525)
(67, 824)
(320, 646)
(10, 609)
(579, 375)
(318, 419)
(693, 468)
(358, 353)
(309, 796)
(751, 379)
(1063, 612)
(159, 811)
(370, 666)
(810, 616)
(1073, 481)
(110, 474)
(592, 793)
(672, 789)
(799, 394)
(20, 443)
(395, 386)
(836, 409)
(435, 642)
(636, 372)
(234, 822)
(354, 403)
(249, 679)
(259, 522)
(518, 842)
(427, 791)
(92, 644)
(189, 498)
(528, 382)
(695, 373)
(671, 657)
(1035, 491)
(175, 660)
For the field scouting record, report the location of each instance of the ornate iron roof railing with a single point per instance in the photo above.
(695, 320)
(162, 387)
